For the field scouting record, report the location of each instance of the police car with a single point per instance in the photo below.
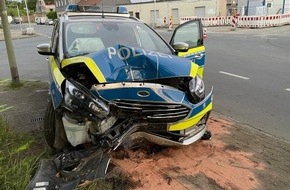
(112, 76)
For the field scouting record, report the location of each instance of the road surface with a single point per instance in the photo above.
(250, 70)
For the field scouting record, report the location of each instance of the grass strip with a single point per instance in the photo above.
(19, 158)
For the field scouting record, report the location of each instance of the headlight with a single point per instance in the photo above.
(78, 99)
(196, 88)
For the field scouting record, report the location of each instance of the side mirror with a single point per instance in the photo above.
(180, 46)
(44, 49)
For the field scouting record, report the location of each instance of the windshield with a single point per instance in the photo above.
(91, 36)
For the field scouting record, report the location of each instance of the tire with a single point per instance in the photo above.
(54, 132)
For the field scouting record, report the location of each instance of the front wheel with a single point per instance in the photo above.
(53, 129)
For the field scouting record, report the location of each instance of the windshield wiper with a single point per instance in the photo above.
(80, 54)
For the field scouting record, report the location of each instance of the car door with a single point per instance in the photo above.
(55, 75)
(191, 33)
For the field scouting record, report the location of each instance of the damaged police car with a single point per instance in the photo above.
(112, 76)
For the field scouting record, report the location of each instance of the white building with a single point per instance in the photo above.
(176, 9)
(263, 7)
(155, 11)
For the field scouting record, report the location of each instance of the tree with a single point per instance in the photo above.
(31, 4)
(12, 12)
(12, 8)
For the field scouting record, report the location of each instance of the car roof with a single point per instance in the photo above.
(99, 17)
(75, 12)
(95, 17)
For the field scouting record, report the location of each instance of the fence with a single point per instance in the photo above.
(243, 21)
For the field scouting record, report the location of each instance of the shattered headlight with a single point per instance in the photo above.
(196, 88)
(79, 99)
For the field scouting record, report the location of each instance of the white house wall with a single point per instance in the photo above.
(185, 8)
(276, 6)
(272, 6)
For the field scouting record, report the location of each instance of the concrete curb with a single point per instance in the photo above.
(16, 34)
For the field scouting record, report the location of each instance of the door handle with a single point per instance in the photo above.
(198, 56)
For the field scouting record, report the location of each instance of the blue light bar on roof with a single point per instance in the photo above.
(72, 8)
(122, 10)
(96, 9)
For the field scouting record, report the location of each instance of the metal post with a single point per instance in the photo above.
(155, 13)
(29, 30)
(27, 13)
(18, 15)
(20, 20)
(283, 7)
(248, 3)
(9, 45)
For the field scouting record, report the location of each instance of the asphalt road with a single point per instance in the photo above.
(249, 69)
(30, 64)
(250, 72)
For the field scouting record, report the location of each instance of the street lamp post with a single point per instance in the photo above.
(29, 30)
(19, 18)
(27, 13)
(18, 14)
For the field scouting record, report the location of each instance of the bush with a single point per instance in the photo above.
(51, 15)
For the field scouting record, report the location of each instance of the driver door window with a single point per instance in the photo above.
(192, 34)
(189, 33)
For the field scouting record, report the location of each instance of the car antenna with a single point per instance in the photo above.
(103, 16)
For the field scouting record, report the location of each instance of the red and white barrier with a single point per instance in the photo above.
(234, 23)
(170, 24)
(285, 19)
(185, 19)
(243, 21)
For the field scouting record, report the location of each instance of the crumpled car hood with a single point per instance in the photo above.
(125, 64)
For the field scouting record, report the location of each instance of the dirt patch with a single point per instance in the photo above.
(237, 157)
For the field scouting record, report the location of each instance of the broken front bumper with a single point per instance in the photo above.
(167, 142)
(191, 129)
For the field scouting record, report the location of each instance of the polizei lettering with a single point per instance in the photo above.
(125, 52)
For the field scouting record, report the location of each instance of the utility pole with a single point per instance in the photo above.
(8, 42)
